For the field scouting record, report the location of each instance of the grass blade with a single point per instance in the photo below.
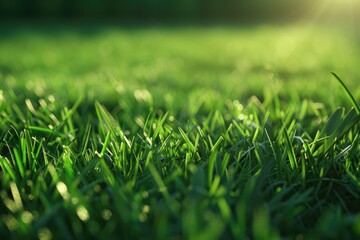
(5, 165)
(106, 143)
(19, 162)
(187, 140)
(290, 151)
(348, 93)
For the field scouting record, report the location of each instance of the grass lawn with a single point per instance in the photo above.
(179, 132)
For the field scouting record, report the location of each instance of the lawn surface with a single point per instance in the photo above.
(179, 132)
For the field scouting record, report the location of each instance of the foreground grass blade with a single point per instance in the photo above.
(333, 122)
(348, 93)
(336, 127)
(6, 167)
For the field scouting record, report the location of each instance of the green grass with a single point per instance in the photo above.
(179, 133)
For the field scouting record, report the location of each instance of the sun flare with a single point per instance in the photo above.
(345, 13)
(342, 7)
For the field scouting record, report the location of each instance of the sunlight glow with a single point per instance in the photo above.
(342, 8)
(335, 13)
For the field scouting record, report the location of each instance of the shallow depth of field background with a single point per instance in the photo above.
(234, 48)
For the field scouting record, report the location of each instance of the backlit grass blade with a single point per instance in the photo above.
(5, 165)
(290, 151)
(69, 113)
(23, 150)
(187, 140)
(217, 143)
(40, 129)
(86, 138)
(336, 126)
(273, 146)
(349, 121)
(333, 122)
(159, 125)
(19, 162)
(46, 131)
(348, 93)
(106, 120)
(106, 143)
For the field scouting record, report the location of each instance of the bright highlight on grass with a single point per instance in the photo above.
(82, 213)
(61, 187)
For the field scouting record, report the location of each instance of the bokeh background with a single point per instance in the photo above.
(181, 10)
(179, 49)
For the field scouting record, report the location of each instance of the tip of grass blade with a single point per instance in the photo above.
(348, 93)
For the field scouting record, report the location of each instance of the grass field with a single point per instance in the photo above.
(179, 132)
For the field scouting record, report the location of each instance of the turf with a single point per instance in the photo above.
(179, 133)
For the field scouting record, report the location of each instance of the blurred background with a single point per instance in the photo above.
(181, 10)
(180, 49)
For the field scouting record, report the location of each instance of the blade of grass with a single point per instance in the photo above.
(172, 203)
(187, 140)
(4, 163)
(348, 93)
(19, 162)
(106, 143)
(290, 151)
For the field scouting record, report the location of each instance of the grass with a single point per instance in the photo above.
(194, 133)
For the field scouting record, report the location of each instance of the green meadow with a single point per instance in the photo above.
(179, 132)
